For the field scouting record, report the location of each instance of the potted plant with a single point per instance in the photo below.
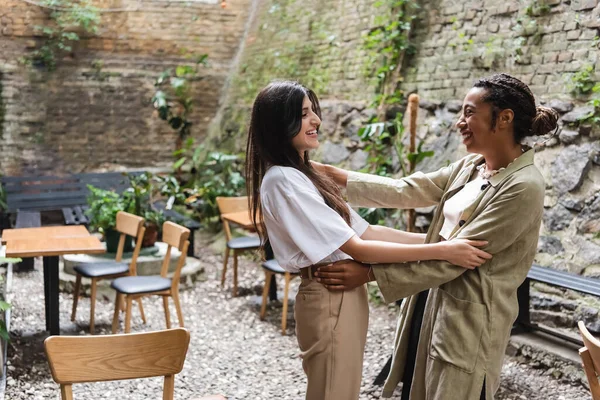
(104, 206)
(154, 222)
(4, 315)
(141, 195)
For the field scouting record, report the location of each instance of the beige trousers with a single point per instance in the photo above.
(331, 328)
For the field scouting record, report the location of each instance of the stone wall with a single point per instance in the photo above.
(94, 111)
(541, 41)
(315, 42)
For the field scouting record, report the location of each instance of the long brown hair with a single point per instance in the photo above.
(276, 119)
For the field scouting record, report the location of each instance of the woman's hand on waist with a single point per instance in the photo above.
(344, 275)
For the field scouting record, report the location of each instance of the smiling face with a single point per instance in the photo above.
(475, 122)
(307, 138)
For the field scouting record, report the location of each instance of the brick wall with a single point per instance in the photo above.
(82, 117)
(459, 41)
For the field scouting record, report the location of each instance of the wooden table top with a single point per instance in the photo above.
(44, 232)
(54, 246)
(241, 218)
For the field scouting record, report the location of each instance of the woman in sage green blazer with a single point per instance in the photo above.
(468, 314)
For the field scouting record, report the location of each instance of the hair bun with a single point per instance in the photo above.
(545, 121)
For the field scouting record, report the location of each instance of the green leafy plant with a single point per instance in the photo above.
(386, 45)
(582, 83)
(384, 141)
(104, 206)
(4, 305)
(69, 19)
(592, 118)
(215, 174)
(173, 98)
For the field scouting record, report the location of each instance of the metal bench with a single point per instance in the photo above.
(556, 278)
(28, 196)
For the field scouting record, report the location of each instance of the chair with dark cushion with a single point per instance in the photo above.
(271, 268)
(133, 287)
(127, 224)
(231, 205)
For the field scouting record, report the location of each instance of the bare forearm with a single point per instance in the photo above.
(339, 176)
(375, 251)
(383, 233)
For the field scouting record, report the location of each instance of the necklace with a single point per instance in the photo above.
(481, 170)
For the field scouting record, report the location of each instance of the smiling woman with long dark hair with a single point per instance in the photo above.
(308, 223)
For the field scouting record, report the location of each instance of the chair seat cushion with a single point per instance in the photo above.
(244, 243)
(273, 266)
(141, 284)
(99, 269)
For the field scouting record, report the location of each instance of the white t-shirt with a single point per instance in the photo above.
(455, 205)
(302, 228)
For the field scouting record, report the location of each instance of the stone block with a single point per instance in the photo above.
(493, 27)
(565, 56)
(581, 5)
(571, 25)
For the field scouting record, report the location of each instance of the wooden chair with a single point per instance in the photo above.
(132, 288)
(230, 205)
(127, 224)
(590, 355)
(271, 268)
(78, 359)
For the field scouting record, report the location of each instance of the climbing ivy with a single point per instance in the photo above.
(386, 44)
(297, 43)
(68, 19)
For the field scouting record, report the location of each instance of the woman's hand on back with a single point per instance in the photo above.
(465, 253)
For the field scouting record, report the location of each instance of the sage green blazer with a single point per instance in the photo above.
(469, 313)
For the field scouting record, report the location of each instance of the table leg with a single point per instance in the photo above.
(51, 294)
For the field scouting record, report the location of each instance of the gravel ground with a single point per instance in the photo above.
(231, 351)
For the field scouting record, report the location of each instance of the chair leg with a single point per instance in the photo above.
(139, 301)
(92, 305)
(178, 308)
(167, 315)
(225, 258)
(118, 301)
(76, 296)
(288, 278)
(265, 295)
(128, 314)
(235, 273)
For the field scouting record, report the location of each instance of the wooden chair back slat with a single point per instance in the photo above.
(77, 359)
(232, 204)
(175, 235)
(128, 223)
(180, 265)
(228, 205)
(590, 355)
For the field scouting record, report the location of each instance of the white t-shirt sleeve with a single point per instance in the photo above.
(358, 223)
(315, 228)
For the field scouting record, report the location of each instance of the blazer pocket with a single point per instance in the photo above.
(457, 330)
